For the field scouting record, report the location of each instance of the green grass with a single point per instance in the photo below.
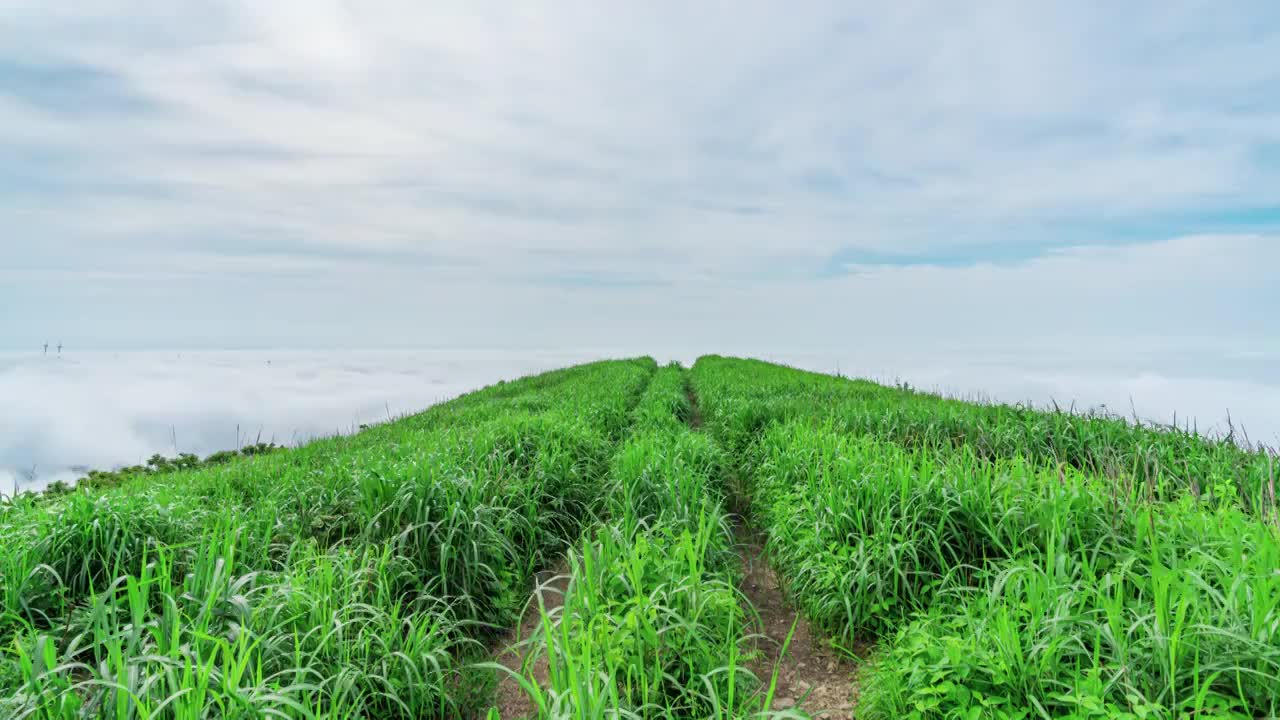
(652, 625)
(1006, 562)
(742, 396)
(357, 576)
(1009, 574)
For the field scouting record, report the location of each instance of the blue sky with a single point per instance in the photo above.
(391, 173)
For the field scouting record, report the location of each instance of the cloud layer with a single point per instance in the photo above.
(219, 173)
(1078, 200)
(102, 410)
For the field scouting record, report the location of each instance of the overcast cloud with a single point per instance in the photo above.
(1078, 179)
(322, 173)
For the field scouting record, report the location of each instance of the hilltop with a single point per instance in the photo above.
(618, 539)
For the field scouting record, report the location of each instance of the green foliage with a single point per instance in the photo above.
(1015, 564)
(652, 625)
(1010, 563)
(740, 397)
(355, 576)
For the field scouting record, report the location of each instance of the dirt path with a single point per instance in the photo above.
(812, 676)
(695, 412)
(510, 699)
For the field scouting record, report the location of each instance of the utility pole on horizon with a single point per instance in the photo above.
(59, 348)
(46, 347)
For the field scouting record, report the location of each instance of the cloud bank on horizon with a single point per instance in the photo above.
(64, 416)
(101, 410)
(318, 173)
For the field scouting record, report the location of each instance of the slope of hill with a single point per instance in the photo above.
(926, 557)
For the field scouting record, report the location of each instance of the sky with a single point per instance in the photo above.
(323, 174)
(1082, 191)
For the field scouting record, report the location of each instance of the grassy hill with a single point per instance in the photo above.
(963, 561)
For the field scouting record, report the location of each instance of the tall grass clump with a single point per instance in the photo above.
(868, 533)
(357, 576)
(1006, 583)
(1184, 623)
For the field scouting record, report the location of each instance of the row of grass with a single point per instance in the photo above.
(1164, 461)
(156, 464)
(1002, 584)
(652, 625)
(354, 577)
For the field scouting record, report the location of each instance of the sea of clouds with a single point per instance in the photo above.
(63, 415)
(103, 410)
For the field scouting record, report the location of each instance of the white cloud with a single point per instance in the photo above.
(476, 129)
(103, 410)
(1216, 287)
(226, 173)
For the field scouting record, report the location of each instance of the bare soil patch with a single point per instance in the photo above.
(515, 647)
(812, 676)
(695, 415)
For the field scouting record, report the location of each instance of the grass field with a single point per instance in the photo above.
(970, 561)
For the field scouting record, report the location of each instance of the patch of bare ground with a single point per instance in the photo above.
(695, 412)
(812, 676)
(515, 648)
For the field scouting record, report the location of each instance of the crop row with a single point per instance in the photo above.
(744, 395)
(1002, 584)
(651, 625)
(352, 577)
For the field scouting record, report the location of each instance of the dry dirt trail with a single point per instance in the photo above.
(510, 699)
(812, 676)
